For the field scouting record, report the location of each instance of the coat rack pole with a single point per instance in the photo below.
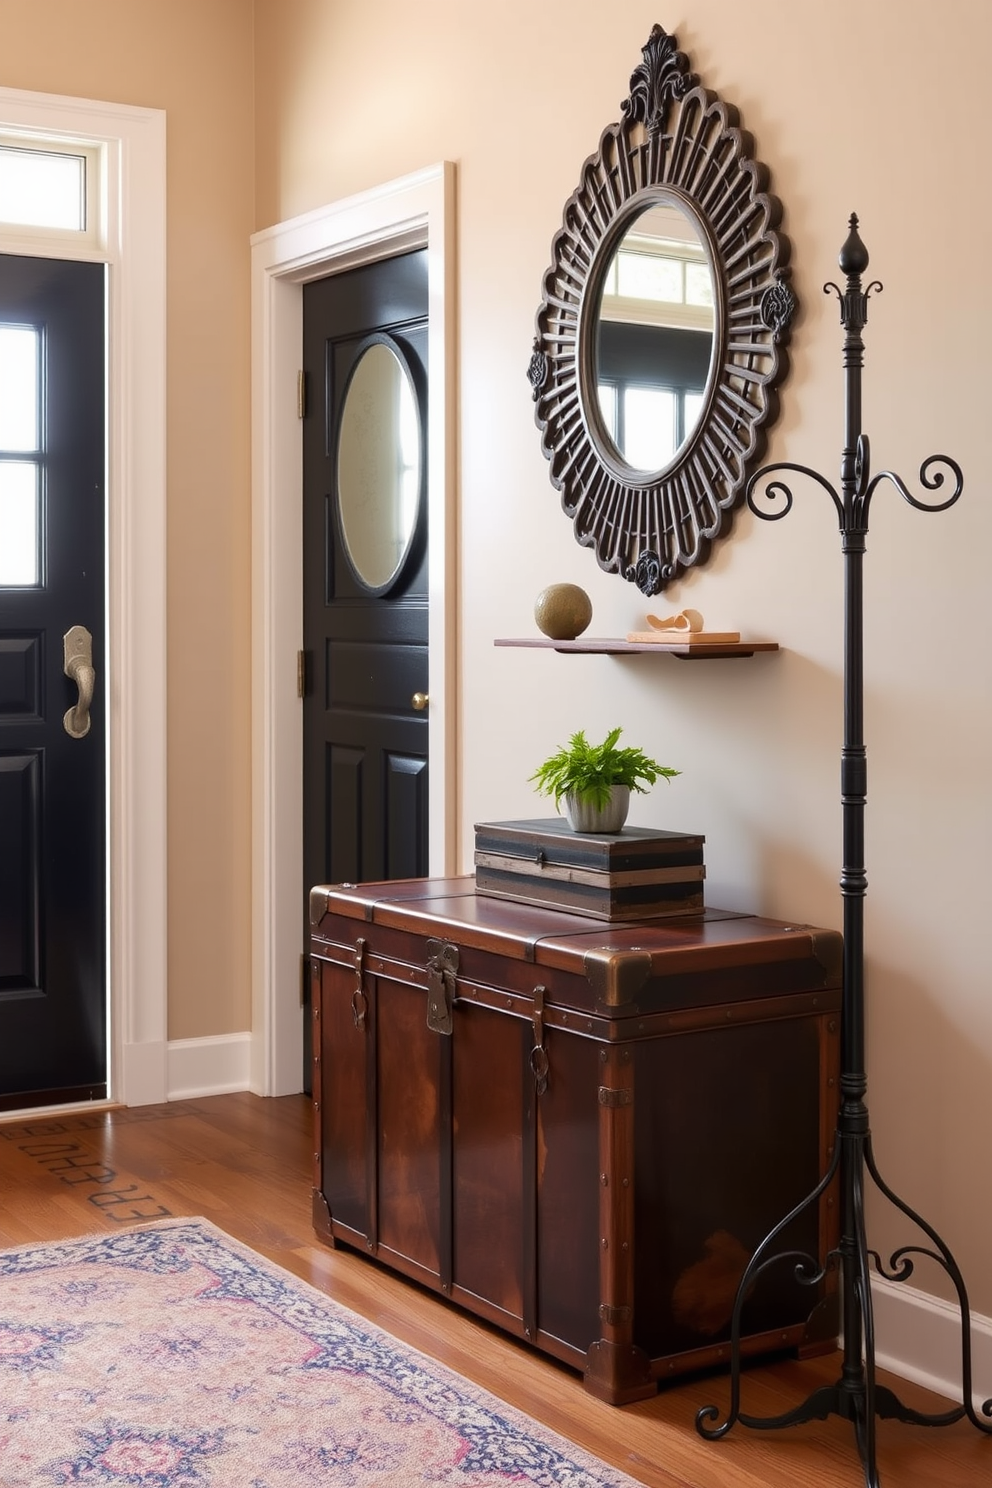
(856, 1396)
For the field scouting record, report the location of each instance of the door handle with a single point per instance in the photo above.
(419, 701)
(78, 666)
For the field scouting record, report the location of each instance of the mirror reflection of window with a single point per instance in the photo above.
(20, 478)
(650, 436)
(645, 422)
(650, 276)
(660, 273)
(379, 466)
(655, 336)
(698, 285)
(693, 409)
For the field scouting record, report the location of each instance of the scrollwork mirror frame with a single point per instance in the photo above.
(675, 142)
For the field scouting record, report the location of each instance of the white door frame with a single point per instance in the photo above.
(131, 240)
(415, 211)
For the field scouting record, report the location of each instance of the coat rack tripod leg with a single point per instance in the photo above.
(856, 1396)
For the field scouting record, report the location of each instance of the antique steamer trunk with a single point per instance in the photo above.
(578, 1131)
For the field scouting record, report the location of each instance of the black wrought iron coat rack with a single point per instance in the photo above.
(856, 1396)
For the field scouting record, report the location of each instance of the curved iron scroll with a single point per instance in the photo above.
(676, 143)
(852, 507)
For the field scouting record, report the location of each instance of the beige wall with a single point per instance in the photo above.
(195, 61)
(860, 106)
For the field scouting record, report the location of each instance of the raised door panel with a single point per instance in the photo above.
(20, 678)
(20, 873)
(406, 813)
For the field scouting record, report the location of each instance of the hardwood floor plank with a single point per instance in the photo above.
(244, 1164)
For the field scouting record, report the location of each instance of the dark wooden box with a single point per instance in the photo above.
(578, 1131)
(638, 873)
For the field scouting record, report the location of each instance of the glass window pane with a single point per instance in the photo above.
(608, 407)
(19, 419)
(698, 284)
(42, 188)
(646, 276)
(649, 427)
(18, 522)
(693, 410)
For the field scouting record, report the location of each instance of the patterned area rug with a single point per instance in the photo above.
(173, 1355)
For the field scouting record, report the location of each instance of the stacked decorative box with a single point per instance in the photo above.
(639, 873)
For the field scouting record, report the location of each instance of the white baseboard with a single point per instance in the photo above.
(208, 1066)
(919, 1338)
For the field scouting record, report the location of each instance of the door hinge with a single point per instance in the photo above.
(301, 394)
(301, 674)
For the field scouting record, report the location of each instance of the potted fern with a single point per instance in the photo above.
(594, 781)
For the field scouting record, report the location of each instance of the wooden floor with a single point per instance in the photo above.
(244, 1163)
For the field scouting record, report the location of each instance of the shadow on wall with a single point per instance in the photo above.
(929, 1133)
(761, 779)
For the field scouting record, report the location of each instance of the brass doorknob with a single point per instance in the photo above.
(419, 701)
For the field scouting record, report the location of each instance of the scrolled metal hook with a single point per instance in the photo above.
(932, 477)
(777, 489)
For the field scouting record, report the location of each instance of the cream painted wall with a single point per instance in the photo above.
(195, 61)
(350, 95)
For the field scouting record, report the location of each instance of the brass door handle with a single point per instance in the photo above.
(419, 701)
(78, 665)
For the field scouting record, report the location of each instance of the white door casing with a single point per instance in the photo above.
(412, 212)
(131, 240)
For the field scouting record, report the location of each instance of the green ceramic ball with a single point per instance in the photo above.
(562, 611)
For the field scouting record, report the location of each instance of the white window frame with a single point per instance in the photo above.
(93, 154)
(131, 241)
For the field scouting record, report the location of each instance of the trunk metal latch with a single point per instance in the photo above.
(442, 969)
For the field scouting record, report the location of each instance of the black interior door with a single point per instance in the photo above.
(53, 923)
(365, 737)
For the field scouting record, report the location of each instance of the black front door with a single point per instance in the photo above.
(53, 923)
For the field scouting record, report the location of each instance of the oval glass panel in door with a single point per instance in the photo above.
(379, 465)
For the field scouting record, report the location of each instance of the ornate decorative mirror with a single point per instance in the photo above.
(380, 465)
(661, 336)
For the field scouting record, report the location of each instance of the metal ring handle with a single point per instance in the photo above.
(539, 1067)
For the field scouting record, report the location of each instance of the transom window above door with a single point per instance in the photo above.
(50, 189)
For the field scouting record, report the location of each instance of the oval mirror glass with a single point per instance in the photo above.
(654, 337)
(379, 466)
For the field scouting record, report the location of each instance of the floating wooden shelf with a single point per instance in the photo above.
(607, 646)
